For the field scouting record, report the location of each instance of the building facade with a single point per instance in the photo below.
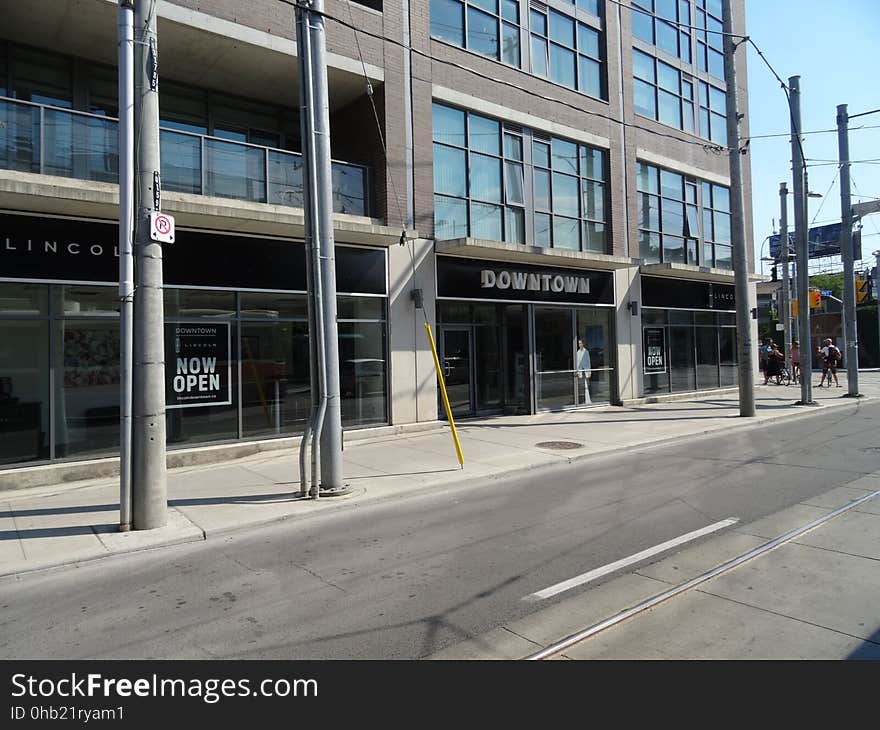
(559, 171)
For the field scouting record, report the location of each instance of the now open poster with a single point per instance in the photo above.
(197, 365)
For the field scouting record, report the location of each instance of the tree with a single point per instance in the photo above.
(832, 282)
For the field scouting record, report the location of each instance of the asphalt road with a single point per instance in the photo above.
(405, 577)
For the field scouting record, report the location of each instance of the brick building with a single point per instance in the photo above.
(559, 169)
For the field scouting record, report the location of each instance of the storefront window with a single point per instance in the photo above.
(24, 375)
(699, 350)
(594, 330)
(362, 372)
(275, 383)
(554, 353)
(727, 356)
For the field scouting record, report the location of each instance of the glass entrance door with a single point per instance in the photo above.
(456, 351)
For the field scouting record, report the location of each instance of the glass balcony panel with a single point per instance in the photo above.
(235, 171)
(85, 147)
(80, 146)
(58, 138)
(349, 189)
(19, 136)
(285, 179)
(181, 160)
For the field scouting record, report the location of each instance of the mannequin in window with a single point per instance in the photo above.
(584, 368)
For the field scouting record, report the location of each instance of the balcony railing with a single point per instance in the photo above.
(54, 141)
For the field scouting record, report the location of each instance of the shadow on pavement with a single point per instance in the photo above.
(39, 532)
(870, 648)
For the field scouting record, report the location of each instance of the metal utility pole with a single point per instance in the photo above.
(784, 252)
(126, 263)
(802, 243)
(326, 428)
(846, 250)
(148, 477)
(740, 260)
(312, 431)
(877, 283)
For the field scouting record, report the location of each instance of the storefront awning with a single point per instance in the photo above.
(515, 252)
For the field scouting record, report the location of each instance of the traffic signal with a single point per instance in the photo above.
(863, 290)
(815, 299)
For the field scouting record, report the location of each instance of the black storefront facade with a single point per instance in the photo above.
(237, 363)
(688, 335)
(516, 338)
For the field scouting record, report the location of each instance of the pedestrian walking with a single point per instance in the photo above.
(763, 353)
(795, 360)
(775, 362)
(830, 358)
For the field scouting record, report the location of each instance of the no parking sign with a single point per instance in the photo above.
(161, 227)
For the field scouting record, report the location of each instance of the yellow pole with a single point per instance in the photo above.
(445, 397)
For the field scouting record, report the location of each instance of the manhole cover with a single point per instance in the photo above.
(559, 445)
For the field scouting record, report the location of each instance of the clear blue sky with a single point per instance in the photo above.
(835, 49)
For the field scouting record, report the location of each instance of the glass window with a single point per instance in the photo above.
(554, 352)
(541, 154)
(187, 303)
(482, 32)
(567, 50)
(87, 393)
(449, 170)
(542, 230)
(644, 100)
(485, 177)
(564, 156)
(562, 65)
(513, 183)
(565, 194)
(486, 221)
(481, 191)
(24, 300)
(588, 40)
(368, 308)
(510, 52)
(86, 301)
(510, 10)
(669, 109)
(566, 233)
(594, 333)
(690, 228)
(542, 190)
(273, 306)
(590, 76)
(484, 134)
(450, 218)
(275, 380)
(24, 376)
(643, 66)
(362, 371)
(513, 147)
(448, 125)
(515, 225)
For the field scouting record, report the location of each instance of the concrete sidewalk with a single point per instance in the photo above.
(71, 523)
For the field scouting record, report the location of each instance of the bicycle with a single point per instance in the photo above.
(785, 376)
